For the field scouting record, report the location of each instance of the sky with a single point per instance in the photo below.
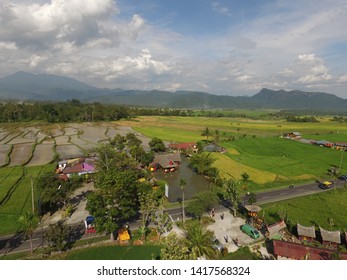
(224, 47)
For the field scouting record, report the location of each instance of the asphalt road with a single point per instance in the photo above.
(16, 243)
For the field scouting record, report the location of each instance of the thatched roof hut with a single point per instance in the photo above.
(330, 236)
(306, 231)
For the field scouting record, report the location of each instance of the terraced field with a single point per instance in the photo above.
(27, 151)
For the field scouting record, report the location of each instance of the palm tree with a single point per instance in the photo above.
(29, 222)
(232, 191)
(199, 241)
(183, 184)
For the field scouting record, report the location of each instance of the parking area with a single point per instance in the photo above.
(227, 228)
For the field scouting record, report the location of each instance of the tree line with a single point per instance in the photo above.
(76, 111)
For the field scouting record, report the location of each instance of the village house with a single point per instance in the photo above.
(166, 162)
(189, 147)
(292, 135)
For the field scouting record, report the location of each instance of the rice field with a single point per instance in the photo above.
(327, 210)
(256, 148)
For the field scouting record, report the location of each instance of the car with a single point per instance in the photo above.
(343, 177)
(217, 245)
(250, 231)
(326, 184)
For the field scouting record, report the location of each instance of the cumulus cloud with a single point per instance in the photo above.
(40, 24)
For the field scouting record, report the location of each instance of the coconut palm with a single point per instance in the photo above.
(183, 184)
(199, 240)
(29, 222)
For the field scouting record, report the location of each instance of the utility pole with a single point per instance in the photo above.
(342, 151)
(32, 195)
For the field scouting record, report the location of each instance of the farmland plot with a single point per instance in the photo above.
(43, 154)
(31, 133)
(62, 140)
(23, 139)
(9, 137)
(70, 131)
(93, 134)
(69, 151)
(81, 143)
(4, 150)
(55, 132)
(21, 153)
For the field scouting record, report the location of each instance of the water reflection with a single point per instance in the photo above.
(195, 183)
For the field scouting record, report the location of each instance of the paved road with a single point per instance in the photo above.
(15, 243)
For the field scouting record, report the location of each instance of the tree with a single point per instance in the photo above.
(109, 158)
(199, 240)
(206, 133)
(201, 162)
(57, 236)
(175, 248)
(119, 142)
(132, 140)
(252, 198)
(214, 177)
(115, 200)
(183, 184)
(202, 202)
(55, 193)
(157, 145)
(232, 193)
(162, 223)
(216, 137)
(137, 152)
(149, 203)
(29, 222)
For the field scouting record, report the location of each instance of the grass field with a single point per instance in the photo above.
(146, 252)
(15, 194)
(313, 210)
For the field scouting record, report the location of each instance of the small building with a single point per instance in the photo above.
(79, 169)
(298, 251)
(330, 237)
(275, 229)
(306, 233)
(184, 147)
(292, 135)
(213, 148)
(167, 162)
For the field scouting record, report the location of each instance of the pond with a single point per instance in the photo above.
(195, 183)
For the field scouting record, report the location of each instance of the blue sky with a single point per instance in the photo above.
(233, 47)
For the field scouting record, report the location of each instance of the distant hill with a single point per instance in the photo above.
(26, 86)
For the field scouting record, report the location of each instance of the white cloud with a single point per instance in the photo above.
(219, 8)
(8, 46)
(36, 60)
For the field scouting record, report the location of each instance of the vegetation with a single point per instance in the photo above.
(319, 210)
(29, 222)
(145, 252)
(15, 194)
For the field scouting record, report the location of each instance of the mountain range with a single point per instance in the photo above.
(25, 86)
